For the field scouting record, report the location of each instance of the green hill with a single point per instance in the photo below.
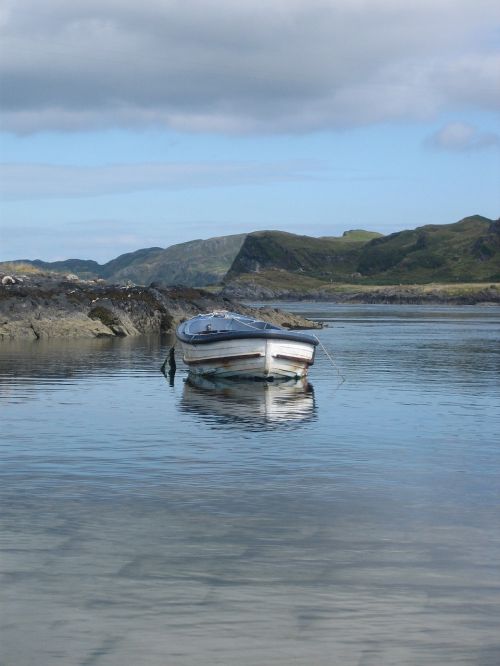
(195, 263)
(327, 258)
(138, 261)
(81, 267)
(466, 251)
(356, 235)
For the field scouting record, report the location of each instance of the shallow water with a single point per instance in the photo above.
(340, 522)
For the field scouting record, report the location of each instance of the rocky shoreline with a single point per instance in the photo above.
(42, 306)
(458, 294)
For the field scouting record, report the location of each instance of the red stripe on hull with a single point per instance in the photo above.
(222, 359)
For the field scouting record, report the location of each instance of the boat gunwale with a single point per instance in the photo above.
(266, 334)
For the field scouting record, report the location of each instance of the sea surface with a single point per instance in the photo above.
(354, 520)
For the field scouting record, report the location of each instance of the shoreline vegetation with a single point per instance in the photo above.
(267, 288)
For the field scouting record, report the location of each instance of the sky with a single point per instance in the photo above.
(128, 124)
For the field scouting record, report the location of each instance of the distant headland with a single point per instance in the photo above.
(467, 251)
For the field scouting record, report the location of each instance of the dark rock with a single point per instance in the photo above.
(48, 306)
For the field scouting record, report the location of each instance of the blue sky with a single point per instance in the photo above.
(127, 127)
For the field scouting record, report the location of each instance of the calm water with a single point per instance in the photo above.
(336, 523)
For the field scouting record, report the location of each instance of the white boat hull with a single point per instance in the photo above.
(262, 358)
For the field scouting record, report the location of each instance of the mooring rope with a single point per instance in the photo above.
(331, 359)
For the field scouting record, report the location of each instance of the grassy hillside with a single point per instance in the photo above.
(356, 235)
(24, 267)
(85, 268)
(467, 251)
(321, 258)
(138, 261)
(195, 263)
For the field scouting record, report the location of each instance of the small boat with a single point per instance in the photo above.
(227, 344)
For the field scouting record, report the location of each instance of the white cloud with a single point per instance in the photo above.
(258, 65)
(463, 137)
(32, 181)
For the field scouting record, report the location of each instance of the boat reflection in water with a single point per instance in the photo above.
(256, 404)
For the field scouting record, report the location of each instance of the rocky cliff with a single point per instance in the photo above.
(50, 306)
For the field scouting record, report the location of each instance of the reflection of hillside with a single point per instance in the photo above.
(31, 363)
(258, 405)
(435, 357)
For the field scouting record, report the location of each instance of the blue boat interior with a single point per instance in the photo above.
(230, 325)
(222, 323)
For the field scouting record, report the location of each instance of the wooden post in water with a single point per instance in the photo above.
(171, 360)
(172, 365)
